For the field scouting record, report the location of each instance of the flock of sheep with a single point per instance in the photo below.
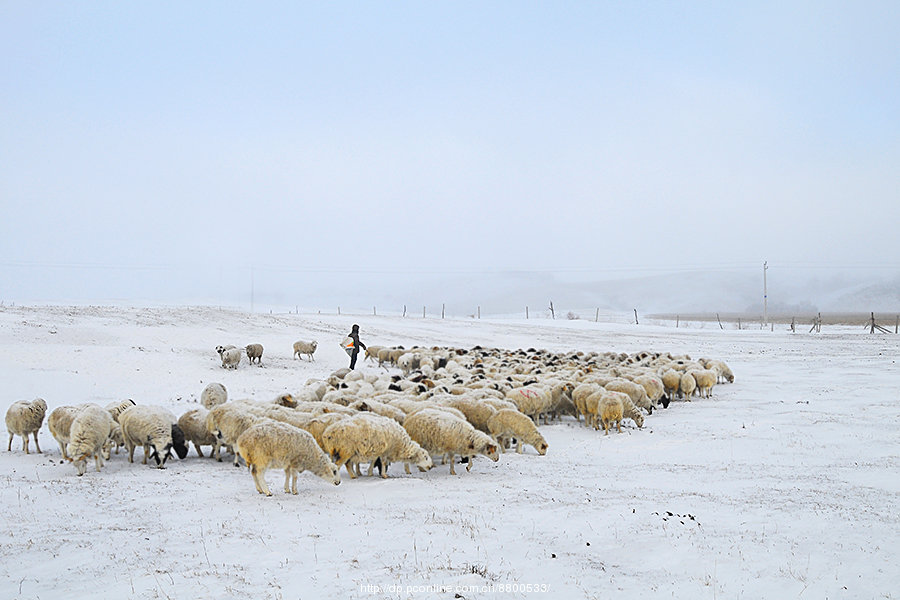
(444, 403)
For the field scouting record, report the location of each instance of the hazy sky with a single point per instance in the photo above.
(449, 136)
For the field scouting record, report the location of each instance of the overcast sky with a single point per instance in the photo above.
(449, 136)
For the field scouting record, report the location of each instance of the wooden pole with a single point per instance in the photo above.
(423, 312)
(479, 312)
(597, 318)
(636, 317)
(526, 312)
(739, 323)
(793, 325)
(897, 325)
(374, 313)
(339, 310)
(443, 308)
(404, 310)
(720, 322)
(676, 321)
(552, 312)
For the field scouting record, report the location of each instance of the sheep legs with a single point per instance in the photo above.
(259, 478)
(452, 470)
(290, 480)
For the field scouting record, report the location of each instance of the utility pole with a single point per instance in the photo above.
(765, 294)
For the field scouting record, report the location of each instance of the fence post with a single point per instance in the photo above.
(423, 312)
(677, 319)
(479, 312)
(526, 313)
(552, 313)
(443, 307)
(374, 313)
(793, 325)
(897, 325)
(636, 317)
(339, 310)
(739, 323)
(404, 310)
(597, 317)
(720, 322)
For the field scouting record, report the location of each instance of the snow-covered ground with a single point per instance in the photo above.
(784, 484)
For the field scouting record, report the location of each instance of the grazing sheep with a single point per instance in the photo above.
(156, 430)
(579, 396)
(634, 390)
(368, 437)
(653, 386)
(536, 400)
(227, 422)
(630, 410)
(317, 424)
(213, 395)
(611, 411)
(254, 352)
(89, 434)
(283, 446)
(671, 382)
(705, 379)
(477, 413)
(60, 424)
(723, 372)
(511, 423)
(687, 386)
(231, 358)
(24, 418)
(307, 348)
(442, 434)
(116, 408)
(193, 425)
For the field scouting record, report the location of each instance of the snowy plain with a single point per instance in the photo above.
(785, 484)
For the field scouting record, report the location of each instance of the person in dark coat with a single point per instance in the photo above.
(354, 335)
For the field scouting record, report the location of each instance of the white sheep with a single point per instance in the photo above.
(282, 446)
(367, 437)
(213, 395)
(687, 386)
(511, 423)
(116, 408)
(634, 390)
(89, 435)
(443, 434)
(193, 425)
(612, 411)
(671, 382)
(60, 424)
(307, 348)
(156, 430)
(231, 358)
(476, 412)
(227, 422)
(706, 380)
(254, 352)
(25, 418)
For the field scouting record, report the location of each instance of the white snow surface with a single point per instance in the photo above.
(785, 484)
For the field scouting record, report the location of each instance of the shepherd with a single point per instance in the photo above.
(353, 350)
